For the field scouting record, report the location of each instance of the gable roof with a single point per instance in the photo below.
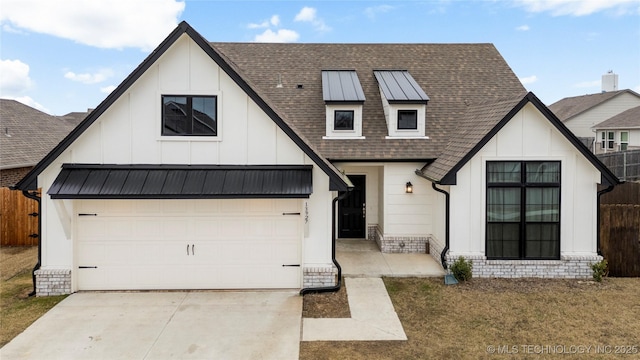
(28, 134)
(453, 76)
(337, 180)
(629, 119)
(482, 123)
(569, 107)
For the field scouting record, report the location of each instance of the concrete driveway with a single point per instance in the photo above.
(165, 325)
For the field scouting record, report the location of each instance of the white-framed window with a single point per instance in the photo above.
(407, 119)
(624, 140)
(611, 139)
(343, 121)
(189, 115)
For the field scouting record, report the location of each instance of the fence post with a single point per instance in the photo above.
(624, 166)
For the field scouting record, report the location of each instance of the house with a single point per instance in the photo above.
(581, 113)
(618, 133)
(237, 165)
(27, 136)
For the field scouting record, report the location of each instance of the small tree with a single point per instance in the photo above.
(599, 270)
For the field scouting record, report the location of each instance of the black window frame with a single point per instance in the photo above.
(412, 111)
(191, 118)
(335, 120)
(523, 185)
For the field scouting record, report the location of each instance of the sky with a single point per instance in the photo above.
(65, 56)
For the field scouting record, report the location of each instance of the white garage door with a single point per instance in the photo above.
(188, 244)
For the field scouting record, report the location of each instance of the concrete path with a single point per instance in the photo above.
(372, 316)
(165, 325)
(362, 258)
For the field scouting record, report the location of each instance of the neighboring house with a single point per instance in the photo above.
(27, 136)
(229, 165)
(581, 113)
(620, 132)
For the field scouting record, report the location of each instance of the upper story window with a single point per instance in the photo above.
(343, 98)
(343, 120)
(404, 103)
(189, 115)
(624, 140)
(407, 119)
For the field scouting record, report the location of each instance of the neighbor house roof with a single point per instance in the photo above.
(454, 76)
(569, 107)
(629, 119)
(481, 123)
(28, 134)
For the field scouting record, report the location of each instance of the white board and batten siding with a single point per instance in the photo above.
(128, 132)
(528, 136)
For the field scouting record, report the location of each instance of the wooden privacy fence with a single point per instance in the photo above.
(620, 238)
(16, 224)
(627, 193)
(625, 164)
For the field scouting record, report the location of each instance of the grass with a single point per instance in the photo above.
(463, 321)
(17, 309)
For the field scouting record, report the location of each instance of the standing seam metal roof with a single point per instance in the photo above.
(400, 86)
(341, 85)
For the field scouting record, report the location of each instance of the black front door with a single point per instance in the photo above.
(352, 222)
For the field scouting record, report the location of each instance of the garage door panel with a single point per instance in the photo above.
(243, 245)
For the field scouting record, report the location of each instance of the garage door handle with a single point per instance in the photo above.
(291, 213)
(193, 249)
(290, 265)
(187, 249)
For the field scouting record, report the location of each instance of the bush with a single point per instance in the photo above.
(599, 270)
(462, 269)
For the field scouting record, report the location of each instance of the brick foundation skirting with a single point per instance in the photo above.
(569, 266)
(319, 276)
(400, 244)
(53, 282)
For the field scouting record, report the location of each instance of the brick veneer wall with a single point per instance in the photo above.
(569, 266)
(322, 276)
(400, 244)
(53, 282)
(10, 177)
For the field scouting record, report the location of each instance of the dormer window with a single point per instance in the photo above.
(343, 98)
(404, 103)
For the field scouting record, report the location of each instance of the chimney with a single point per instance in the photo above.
(609, 81)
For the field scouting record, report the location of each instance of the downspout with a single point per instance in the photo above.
(443, 254)
(333, 250)
(35, 197)
(600, 193)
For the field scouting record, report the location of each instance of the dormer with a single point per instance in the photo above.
(404, 103)
(343, 98)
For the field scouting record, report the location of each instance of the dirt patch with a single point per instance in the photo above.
(327, 305)
(503, 319)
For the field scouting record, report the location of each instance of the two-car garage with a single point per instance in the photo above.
(188, 244)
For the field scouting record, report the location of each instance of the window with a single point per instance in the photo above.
(624, 140)
(523, 210)
(610, 139)
(603, 142)
(189, 116)
(343, 120)
(407, 119)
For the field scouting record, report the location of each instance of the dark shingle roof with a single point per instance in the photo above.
(453, 75)
(569, 107)
(629, 119)
(32, 134)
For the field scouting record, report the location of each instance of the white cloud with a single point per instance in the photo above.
(103, 24)
(579, 7)
(308, 14)
(523, 28)
(372, 11)
(27, 100)
(15, 80)
(107, 89)
(88, 78)
(529, 80)
(588, 84)
(281, 36)
(10, 29)
(274, 21)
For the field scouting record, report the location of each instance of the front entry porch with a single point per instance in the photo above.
(362, 258)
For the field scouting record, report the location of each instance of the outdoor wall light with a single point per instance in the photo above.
(408, 188)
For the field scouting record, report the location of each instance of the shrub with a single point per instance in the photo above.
(599, 270)
(462, 269)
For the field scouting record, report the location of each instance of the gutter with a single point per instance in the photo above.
(447, 226)
(35, 197)
(333, 250)
(600, 193)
